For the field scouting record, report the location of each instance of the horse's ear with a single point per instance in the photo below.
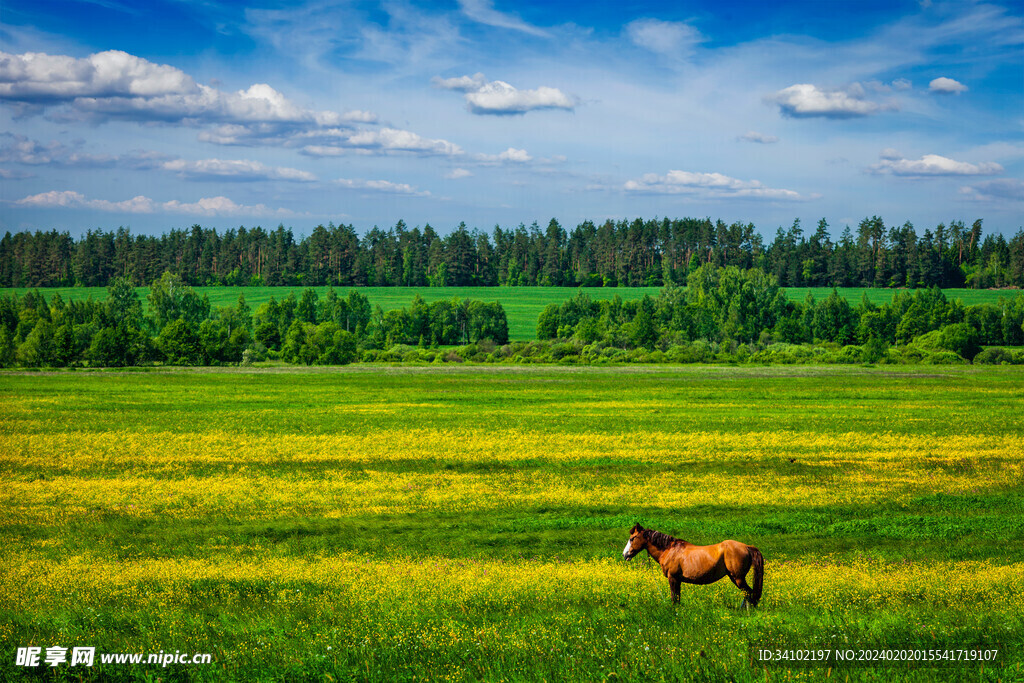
(636, 528)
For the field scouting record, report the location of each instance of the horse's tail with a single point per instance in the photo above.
(757, 564)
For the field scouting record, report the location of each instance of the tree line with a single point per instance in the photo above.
(748, 312)
(632, 253)
(181, 328)
(723, 315)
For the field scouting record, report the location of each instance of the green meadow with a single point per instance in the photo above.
(522, 304)
(466, 523)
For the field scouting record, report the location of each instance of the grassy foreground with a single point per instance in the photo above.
(465, 523)
(522, 305)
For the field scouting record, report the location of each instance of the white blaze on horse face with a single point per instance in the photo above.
(625, 551)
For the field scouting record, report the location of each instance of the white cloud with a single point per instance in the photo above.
(8, 174)
(673, 39)
(946, 86)
(222, 206)
(258, 104)
(115, 84)
(207, 206)
(804, 100)
(230, 169)
(360, 116)
(892, 163)
(1010, 189)
(461, 83)
(714, 185)
(383, 141)
(39, 77)
(519, 156)
(498, 97)
(754, 136)
(457, 173)
(391, 139)
(483, 11)
(384, 186)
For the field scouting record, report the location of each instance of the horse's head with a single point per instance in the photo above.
(635, 544)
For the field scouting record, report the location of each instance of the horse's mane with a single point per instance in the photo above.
(660, 540)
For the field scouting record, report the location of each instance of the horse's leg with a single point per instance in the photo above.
(741, 583)
(673, 585)
(738, 565)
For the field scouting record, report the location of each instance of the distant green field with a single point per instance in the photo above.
(522, 304)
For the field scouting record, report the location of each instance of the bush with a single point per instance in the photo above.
(915, 355)
(787, 354)
(959, 338)
(561, 349)
(995, 355)
(849, 355)
(943, 358)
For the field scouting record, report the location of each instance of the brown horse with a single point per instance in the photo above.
(683, 562)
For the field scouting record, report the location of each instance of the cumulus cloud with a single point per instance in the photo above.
(115, 84)
(804, 100)
(324, 142)
(232, 169)
(457, 173)
(483, 11)
(383, 186)
(930, 165)
(337, 142)
(754, 136)
(1010, 189)
(394, 140)
(513, 155)
(501, 98)
(673, 39)
(946, 86)
(713, 185)
(498, 97)
(207, 206)
(39, 77)
(258, 104)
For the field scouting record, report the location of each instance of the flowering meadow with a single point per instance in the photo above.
(466, 523)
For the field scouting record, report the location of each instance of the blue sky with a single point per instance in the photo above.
(167, 113)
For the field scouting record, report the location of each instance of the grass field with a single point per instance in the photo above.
(465, 523)
(522, 304)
